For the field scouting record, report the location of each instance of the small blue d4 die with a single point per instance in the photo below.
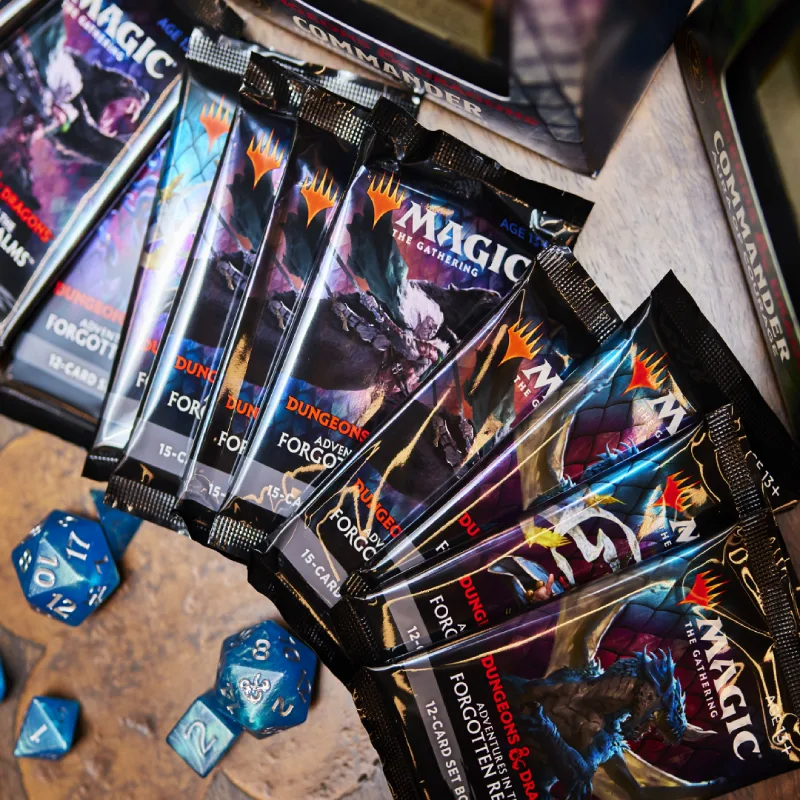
(203, 734)
(264, 678)
(65, 567)
(48, 728)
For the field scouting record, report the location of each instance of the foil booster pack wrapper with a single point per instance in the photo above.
(239, 211)
(424, 249)
(672, 494)
(214, 71)
(553, 319)
(248, 175)
(657, 376)
(14, 12)
(675, 679)
(438, 304)
(58, 367)
(327, 148)
(87, 90)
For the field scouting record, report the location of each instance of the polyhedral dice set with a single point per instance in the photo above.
(536, 541)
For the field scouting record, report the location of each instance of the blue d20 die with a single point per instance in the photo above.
(118, 526)
(48, 728)
(264, 678)
(65, 567)
(203, 734)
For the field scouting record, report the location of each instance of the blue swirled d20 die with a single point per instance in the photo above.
(65, 567)
(48, 728)
(203, 734)
(264, 678)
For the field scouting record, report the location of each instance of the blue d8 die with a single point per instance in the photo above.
(264, 678)
(48, 728)
(203, 734)
(65, 567)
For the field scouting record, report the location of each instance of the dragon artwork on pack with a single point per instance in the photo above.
(582, 719)
(609, 720)
(380, 339)
(385, 337)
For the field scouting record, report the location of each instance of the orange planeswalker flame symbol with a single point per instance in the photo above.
(216, 121)
(704, 591)
(264, 156)
(648, 372)
(677, 493)
(384, 197)
(521, 342)
(318, 197)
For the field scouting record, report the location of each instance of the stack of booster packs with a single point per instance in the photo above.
(537, 542)
(87, 95)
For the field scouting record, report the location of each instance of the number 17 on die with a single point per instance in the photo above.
(65, 567)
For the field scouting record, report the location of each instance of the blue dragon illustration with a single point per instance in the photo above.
(576, 720)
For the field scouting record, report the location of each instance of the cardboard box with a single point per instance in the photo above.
(558, 76)
(741, 64)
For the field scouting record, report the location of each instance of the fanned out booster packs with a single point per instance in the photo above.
(536, 541)
(208, 100)
(675, 679)
(263, 141)
(424, 250)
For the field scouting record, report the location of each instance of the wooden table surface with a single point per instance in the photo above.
(138, 663)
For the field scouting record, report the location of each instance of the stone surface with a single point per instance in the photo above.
(139, 661)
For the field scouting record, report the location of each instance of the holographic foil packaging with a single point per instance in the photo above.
(658, 375)
(674, 679)
(248, 178)
(429, 243)
(248, 175)
(207, 104)
(430, 239)
(553, 319)
(672, 494)
(59, 365)
(14, 12)
(87, 90)
(327, 148)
